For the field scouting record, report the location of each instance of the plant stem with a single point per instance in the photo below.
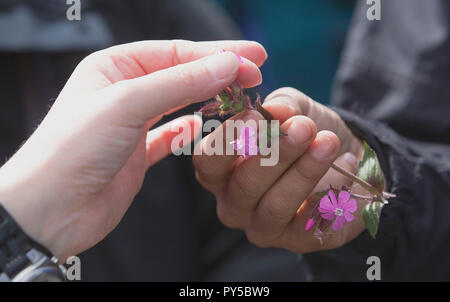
(361, 196)
(358, 180)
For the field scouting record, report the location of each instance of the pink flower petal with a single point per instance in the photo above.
(333, 198)
(325, 205)
(348, 216)
(339, 223)
(350, 205)
(343, 197)
(309, 224)
(327, 215)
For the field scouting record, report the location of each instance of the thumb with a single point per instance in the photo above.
(151, 95)
(286, 102)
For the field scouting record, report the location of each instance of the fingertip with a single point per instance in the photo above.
(326, 145)
(249, 74)
(300, 129)
(266, 55)
(260, 53)
(222, 66)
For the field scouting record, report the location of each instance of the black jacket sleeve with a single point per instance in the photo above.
(392, 90)
(413, 240)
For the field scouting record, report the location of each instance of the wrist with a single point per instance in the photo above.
(24, 198)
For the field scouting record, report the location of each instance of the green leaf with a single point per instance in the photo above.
(321, 194)
(237, 107)
(224, 96)
(371, 216)
(370, 170)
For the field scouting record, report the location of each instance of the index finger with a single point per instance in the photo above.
(133, 60)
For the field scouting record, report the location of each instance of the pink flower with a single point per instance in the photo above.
(309, 224)
(246, 145)
(341, 209)
(315, 216)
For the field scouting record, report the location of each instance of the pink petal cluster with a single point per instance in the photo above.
(246, 144)
(339, 210)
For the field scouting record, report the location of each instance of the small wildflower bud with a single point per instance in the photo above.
(309, 224)
(315, 216)
(224, 96)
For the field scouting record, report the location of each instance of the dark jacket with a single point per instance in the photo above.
(393, 88)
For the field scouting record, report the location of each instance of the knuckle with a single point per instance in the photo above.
(273, 212)
(99, 56)
(203, 165)
(295, 94)
(225, 216)
(296, 98)
(92, 57)
(255, 237)
(185, 76)
(202, 179)
(243, 185)
(91, 61)
(177, 45)
(200, 162)
(304, 174)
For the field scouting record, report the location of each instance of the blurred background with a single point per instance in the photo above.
(171, 232)
(304, 39)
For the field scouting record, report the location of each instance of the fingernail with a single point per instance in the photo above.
(324, 148)
(222, 65)
(299, 132)
(238, 56)
(350, 159)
